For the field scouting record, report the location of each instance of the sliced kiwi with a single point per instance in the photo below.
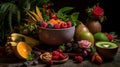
(106, 45)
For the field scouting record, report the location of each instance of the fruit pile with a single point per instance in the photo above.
(53, 57)
(53, 20)
(55, 24)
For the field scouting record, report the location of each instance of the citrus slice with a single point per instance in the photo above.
(22, 50)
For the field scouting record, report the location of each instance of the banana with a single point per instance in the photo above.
(39, 13)
(32, 17)
(30, 41)
(35, 15)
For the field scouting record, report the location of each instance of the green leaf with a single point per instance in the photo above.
(10, 21)
(62, 13)
(74, 18)
(30, 56)
(4, 7)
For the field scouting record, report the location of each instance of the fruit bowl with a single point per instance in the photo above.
(106, 49)
(56, 36)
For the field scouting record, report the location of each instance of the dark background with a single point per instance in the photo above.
(110, 9)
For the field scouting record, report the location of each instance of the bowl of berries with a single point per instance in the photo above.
(56, 32)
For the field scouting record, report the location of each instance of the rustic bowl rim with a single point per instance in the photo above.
(56, 29)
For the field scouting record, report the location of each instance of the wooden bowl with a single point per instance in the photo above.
(56, 36)
(106, 51)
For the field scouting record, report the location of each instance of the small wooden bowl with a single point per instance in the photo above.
(106, 53)
(56, 61)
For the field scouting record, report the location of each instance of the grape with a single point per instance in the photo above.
(74, 47)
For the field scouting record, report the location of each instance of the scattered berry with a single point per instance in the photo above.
(50, 62)
(78, 59)
(35, 62)
(84, 53)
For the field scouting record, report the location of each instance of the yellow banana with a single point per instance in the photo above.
(30, 41)
(32, 17)
(39, 13)
(35, 15)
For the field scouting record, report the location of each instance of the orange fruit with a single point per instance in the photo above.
(22, 50)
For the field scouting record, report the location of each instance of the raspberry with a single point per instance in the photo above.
(56, 57)
(54, 53)
(69, 24)
(64, 25)
(62, 56)
(44, 25)
(78, 59)
(57, 26)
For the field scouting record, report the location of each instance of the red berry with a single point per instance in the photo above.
(50, 62)
(57, 26)
(62, 56)
(54, 53)
(110, 37)
(53, 16)
(78, 58)
(56, 57)
(44, 25)
(69, 24)
(64, 25)
(85, 53)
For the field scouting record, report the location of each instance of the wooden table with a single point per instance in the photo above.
(86, 63)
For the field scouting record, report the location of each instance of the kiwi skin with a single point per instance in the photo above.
(106, 53)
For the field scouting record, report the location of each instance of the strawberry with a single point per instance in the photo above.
(57, 26)
(78, 58)
(62, 56)
(69, 24)
(54, 53)
(44, 25)
(64, 25)
(56, 57)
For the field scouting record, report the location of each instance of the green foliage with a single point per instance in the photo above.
(74, 18)
(30, 56)
(62, 13)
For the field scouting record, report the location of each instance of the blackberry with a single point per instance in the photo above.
(50, 25)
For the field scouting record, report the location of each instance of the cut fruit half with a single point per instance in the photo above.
(22, 50)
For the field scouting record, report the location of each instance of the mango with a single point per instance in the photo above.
(82, 33)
